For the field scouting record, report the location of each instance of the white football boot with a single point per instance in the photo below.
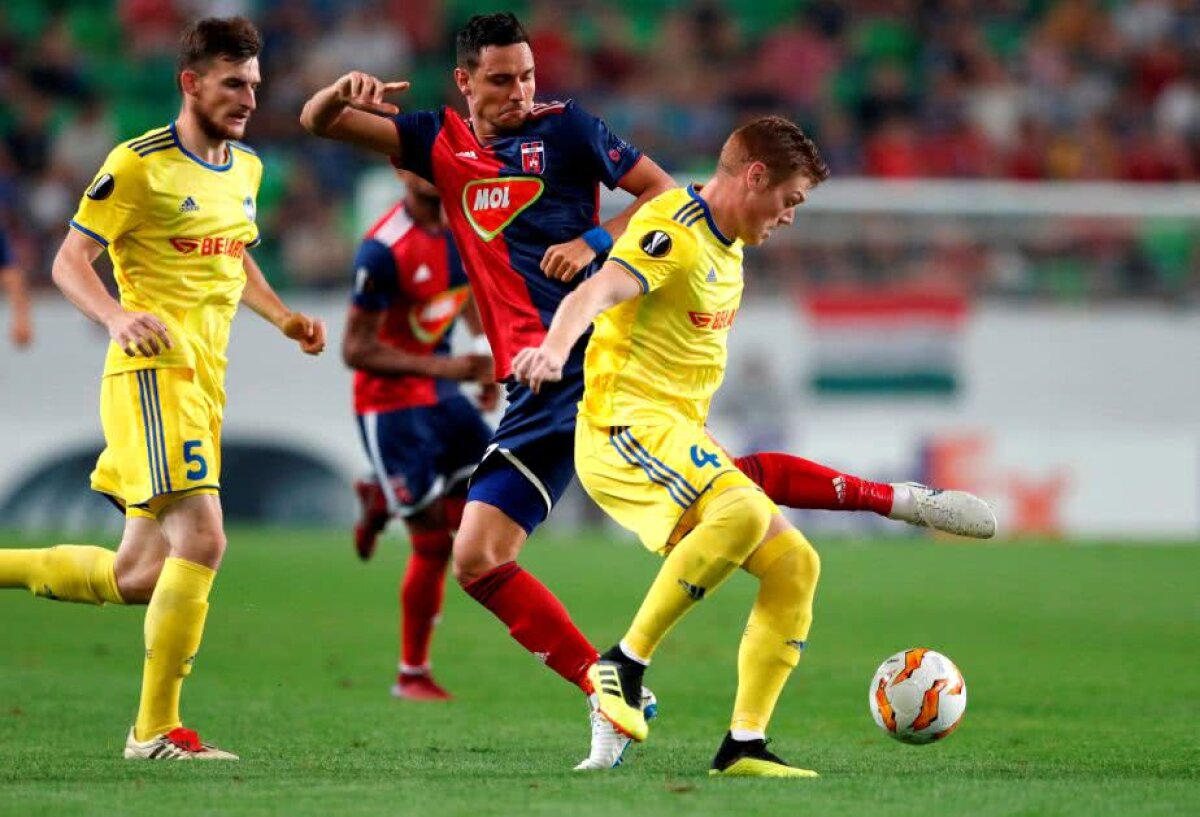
(948, 511)
(609, 745)
(178, 744)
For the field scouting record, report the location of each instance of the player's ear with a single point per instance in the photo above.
(189, 81)
(463, 80)
(758, 178)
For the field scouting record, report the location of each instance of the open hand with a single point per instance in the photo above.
(535, 366)
(138, 333)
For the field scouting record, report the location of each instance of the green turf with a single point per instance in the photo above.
(1082, 665)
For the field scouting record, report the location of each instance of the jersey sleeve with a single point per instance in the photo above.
(611, 156)
(375, 277)
(111, 205)
(417, 131)
(653, 248)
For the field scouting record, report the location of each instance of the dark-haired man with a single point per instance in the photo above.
(175, 208)
(521, 183)
(421, 434)
(642, 450)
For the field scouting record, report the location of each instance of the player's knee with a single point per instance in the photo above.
(744, 515)
(137, 571)
(204, 546)
(807, 569)
(471, 559)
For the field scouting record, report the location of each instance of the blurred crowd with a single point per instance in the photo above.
(1014, 89)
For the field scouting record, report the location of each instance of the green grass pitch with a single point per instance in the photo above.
(1082, 665)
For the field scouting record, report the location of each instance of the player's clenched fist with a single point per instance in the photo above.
(365, 93)
(138, 333)
(564, 261)
(307, 331)
(533, 367)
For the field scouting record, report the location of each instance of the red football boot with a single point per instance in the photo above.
(419, 687)
(373, 519)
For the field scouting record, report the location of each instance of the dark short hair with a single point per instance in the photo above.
(482, 30)
(779, 144)
(234, 38)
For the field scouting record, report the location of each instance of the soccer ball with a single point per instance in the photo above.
(918, 696)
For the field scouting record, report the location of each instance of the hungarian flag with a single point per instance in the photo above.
(885, 343)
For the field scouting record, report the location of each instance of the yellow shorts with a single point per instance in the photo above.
(162, 437)
(651, 479)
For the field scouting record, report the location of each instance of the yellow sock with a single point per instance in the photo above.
(731, 525)
(81, 573)
(174, 626)
(787, 568)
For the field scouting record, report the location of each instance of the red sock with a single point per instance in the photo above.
(421, 594)
(536, 619)
(798, 483)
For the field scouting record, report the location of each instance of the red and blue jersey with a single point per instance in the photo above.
(415, 276)
(511, 199)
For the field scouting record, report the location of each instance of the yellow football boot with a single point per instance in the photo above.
(613, 691)
(750, 758)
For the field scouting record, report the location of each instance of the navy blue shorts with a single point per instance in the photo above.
(425, 452)
(531, 458)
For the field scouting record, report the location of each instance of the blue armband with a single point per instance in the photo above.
(598, 239)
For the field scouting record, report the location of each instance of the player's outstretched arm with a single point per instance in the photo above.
(607, 288)
(21, 326)
(363, 351)
(644, 181)
(309, 332)
(138, 333)
(353, 109)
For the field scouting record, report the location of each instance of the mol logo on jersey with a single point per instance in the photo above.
(722, 319)
(492, 204)
(430, 320)
(210, 245)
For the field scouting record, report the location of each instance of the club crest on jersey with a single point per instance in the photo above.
(430, 320)
(250, 208)
(533, 157)
(655, 243)
(492, 204)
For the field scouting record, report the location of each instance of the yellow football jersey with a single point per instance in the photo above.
(661, 357)
(176, 228)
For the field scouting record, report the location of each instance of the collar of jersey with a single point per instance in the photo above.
(219, 168)
(712, 225)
